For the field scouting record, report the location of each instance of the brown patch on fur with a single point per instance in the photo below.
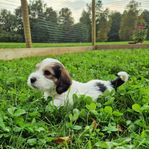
(64, 82)
(51, 74)
(60, 76)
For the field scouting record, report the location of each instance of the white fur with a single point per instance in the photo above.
(43, 84)
(88, 89)
(49, 88)
(123, 75)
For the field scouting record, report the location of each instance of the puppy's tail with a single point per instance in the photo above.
(122, 77)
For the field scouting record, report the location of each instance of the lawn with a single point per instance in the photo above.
(119, 120)
(43, 45)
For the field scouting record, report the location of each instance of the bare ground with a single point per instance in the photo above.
(9, 54)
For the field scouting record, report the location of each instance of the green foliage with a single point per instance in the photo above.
(85, 19)
(102, 20)
(43, 45)
(8, 20)
(48, 25)
(66, 24)
(128, 21)
(139, 35)
(83, 35)
(117, 120)
(146, 18)
(8, 26)
(115, 20)
(140, 32)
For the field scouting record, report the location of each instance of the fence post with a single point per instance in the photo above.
(93, 23)
(26, 23)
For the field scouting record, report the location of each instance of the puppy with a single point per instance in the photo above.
(53, 79)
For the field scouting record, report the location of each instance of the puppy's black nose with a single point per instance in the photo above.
(33, 80)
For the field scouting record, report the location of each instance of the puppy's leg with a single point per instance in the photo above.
(56, 102)
(46, 95)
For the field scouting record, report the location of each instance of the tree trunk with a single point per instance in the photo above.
(93, 23)
(26, 23)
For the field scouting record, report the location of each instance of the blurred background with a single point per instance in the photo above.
(64, 21)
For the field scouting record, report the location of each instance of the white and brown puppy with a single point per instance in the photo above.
(53, 79)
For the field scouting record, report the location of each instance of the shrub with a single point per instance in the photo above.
(140, 32)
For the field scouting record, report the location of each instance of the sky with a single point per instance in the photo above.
(76, 6)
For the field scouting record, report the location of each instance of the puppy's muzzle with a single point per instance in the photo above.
(33, 80)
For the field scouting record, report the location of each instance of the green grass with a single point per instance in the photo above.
(43, 45)
(119, 120)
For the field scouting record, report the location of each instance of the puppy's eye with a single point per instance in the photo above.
(47, 73)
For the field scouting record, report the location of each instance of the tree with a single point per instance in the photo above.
(8, 21)
(115, 19)
(49, 26)
(36, 8)
(19, 22)
(51, 22)
(43, 22)
(80, 33)
(99, 9)
(103, 26)
(50, 15)
(128, 21)
(86, 22)
(8, 25)
(102, 22)
(26, 23)
(140, 31)
(65, 21)
(39, 33)
(146, 18)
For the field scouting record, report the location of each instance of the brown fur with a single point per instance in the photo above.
(60, 76)
(64, 81)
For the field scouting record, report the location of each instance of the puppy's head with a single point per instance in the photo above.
(50, 75)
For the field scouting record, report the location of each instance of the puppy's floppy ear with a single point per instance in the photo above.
(63, 79)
